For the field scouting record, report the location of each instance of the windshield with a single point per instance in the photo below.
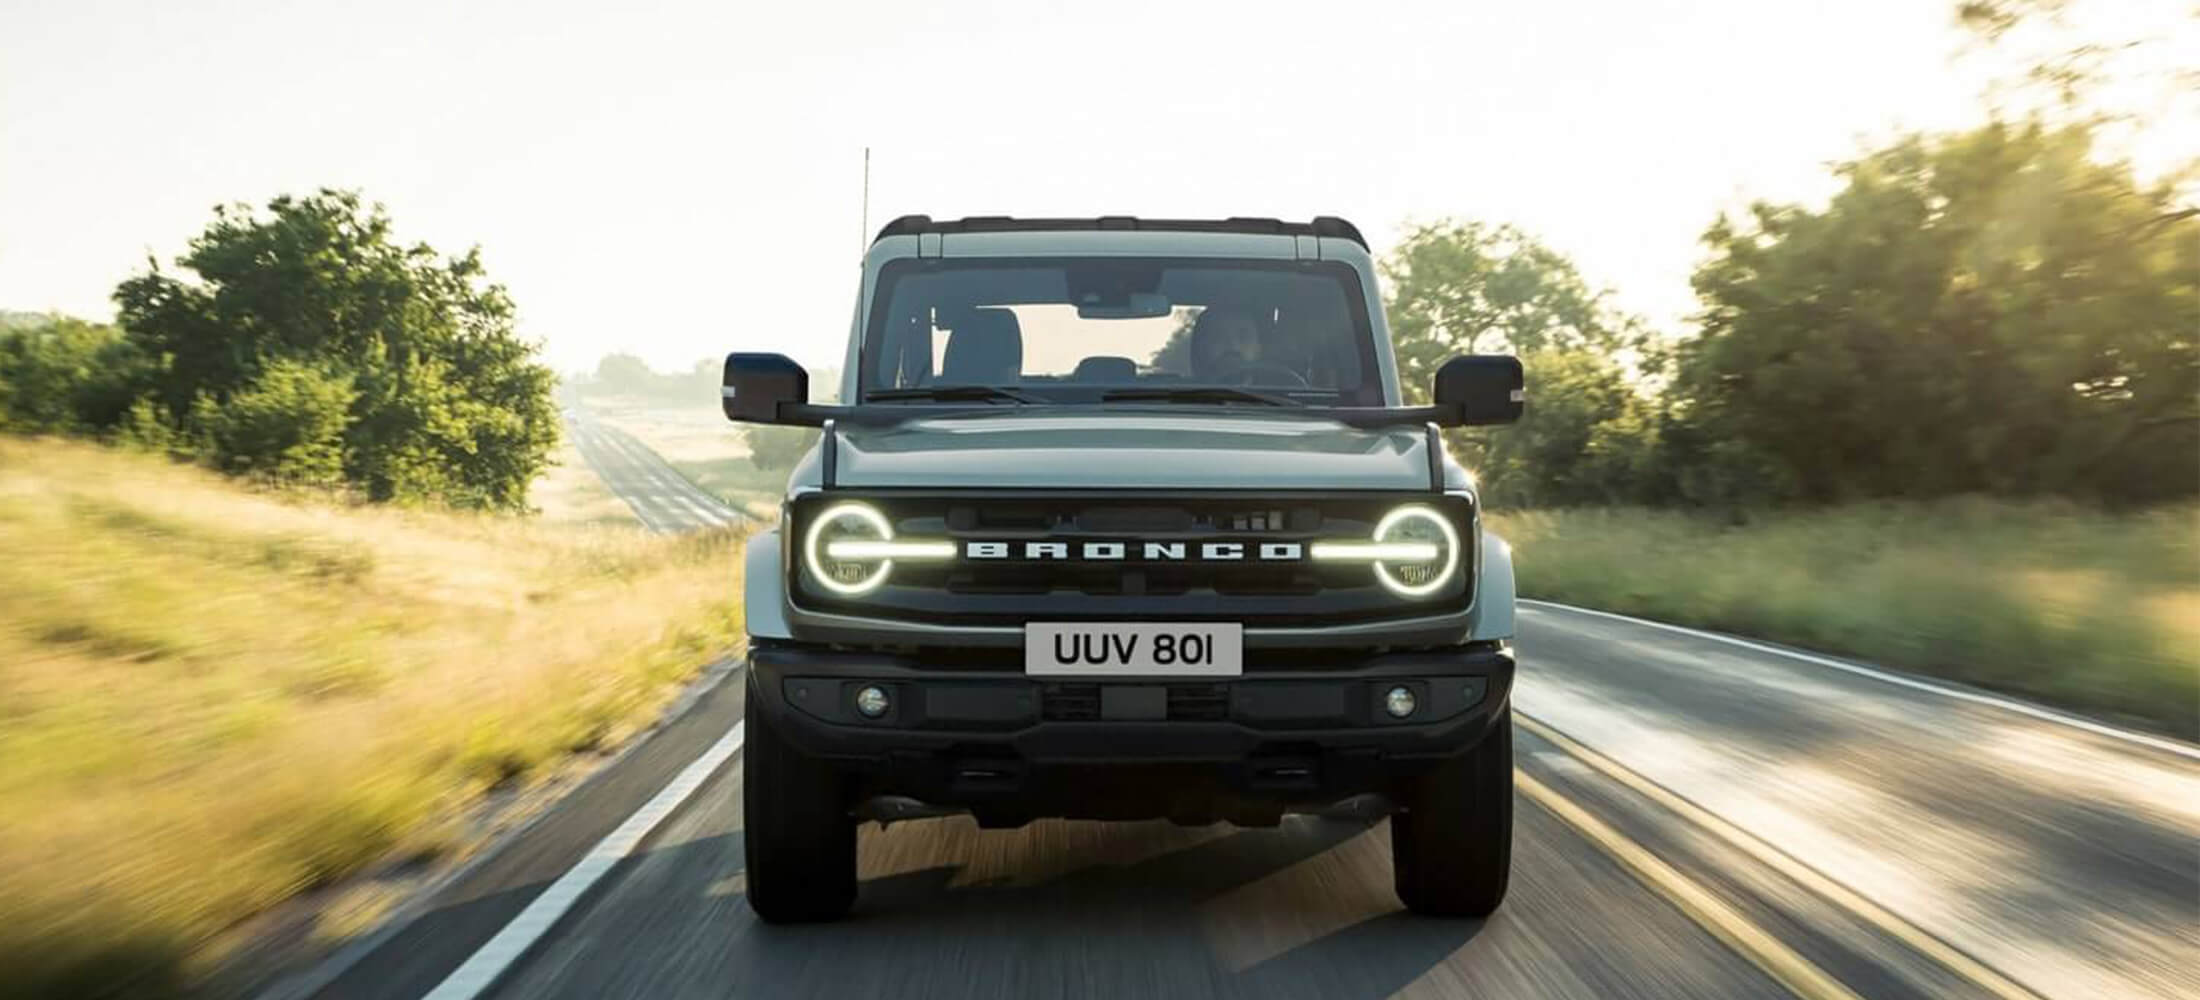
(1087, 329)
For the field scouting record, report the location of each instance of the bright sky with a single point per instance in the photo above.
(679, 178)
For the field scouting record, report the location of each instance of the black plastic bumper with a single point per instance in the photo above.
(1010, 748)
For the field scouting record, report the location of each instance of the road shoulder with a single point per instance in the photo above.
(449, 914)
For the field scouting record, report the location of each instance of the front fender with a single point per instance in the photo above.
(763, 598)
(1493, 605)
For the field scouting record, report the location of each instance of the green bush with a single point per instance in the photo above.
(286, 426)
(776, 449)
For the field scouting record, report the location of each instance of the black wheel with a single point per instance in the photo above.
(800, 841)
(1452, 843)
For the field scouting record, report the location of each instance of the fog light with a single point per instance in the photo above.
(1399, 702)
(872, 702)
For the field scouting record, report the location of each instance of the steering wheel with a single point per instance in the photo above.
(1246, 374)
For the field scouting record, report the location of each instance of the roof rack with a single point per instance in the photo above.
(1323, 225)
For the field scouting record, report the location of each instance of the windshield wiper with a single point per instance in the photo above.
(950, 394)
(1195, 394)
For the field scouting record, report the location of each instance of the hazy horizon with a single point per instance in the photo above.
(677, 179)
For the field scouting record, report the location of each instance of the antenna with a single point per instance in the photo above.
(865, 235)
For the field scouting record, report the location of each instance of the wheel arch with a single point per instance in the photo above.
(1493, 605)
(763, 589)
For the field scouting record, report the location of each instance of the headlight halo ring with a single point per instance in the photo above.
(813, 555)
(1436, 581)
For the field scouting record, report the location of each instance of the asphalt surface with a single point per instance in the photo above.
(1696, 819)
(664, 500)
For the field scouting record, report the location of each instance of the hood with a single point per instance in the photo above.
(1125, 449)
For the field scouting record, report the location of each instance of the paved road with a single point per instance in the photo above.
(1697, 818)
(665, 500)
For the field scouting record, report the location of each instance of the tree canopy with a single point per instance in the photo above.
(1992, 311)
(1475, 288)
(314, 303)
(1469, 287)
(1998, 311)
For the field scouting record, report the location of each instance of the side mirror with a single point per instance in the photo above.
(1487, 388)
(756, 385)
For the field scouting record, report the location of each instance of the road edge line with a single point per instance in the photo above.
(1950, 957)
(495, 957)
(2162, 743)
(317, 976)
(1783, 964)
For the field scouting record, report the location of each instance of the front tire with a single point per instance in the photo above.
(1452, 843)
(800, 841)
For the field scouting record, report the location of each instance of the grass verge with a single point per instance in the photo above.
(212, 699)
(2095, 612)
(570, 493)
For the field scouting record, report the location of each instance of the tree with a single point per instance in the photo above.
(1991, 311)
(1471, 288)
(2121, 67)
(1175, 353)
(64, 375)
(623, 374)
(1588, 438)
(448, 404)
(777, 449)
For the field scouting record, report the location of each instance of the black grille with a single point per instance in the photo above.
(1187, 702)
(1069, 702)
(1017, 590)
(1199, 702)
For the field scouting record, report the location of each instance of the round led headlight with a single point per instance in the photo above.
(1419, 551)
(842, 549)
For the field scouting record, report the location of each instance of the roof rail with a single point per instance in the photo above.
(1323, 225)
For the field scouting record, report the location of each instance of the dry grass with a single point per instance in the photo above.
(212, 699)
(570, 493)
(2093, 611)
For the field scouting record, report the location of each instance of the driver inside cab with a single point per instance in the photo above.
(1229, 344)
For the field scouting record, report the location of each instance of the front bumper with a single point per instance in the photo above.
(1010, 748)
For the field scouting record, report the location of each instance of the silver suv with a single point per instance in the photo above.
(1125, 519)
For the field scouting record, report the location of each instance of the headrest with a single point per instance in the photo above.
(1104, 368)
(985, 347)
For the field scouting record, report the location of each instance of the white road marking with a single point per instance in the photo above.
(591, 442)
(481, 971)
(665, 501)
(677, 493)
(2179, 748)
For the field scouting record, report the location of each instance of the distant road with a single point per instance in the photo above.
(1698, 817)
(665, 500)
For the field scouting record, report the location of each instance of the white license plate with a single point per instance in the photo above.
(1128, 649)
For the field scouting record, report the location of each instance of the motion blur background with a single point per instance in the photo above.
(1867, 328)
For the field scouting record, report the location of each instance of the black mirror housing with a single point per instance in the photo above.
(757, 385)
(1485, 388)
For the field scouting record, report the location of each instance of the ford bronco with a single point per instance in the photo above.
(1126, 519)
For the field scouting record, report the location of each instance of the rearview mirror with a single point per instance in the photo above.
(757, 384)
(1136, 305)
(1487, 388)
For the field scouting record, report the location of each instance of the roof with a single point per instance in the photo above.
(1322, 225)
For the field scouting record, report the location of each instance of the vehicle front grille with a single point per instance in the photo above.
(1019, 590)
